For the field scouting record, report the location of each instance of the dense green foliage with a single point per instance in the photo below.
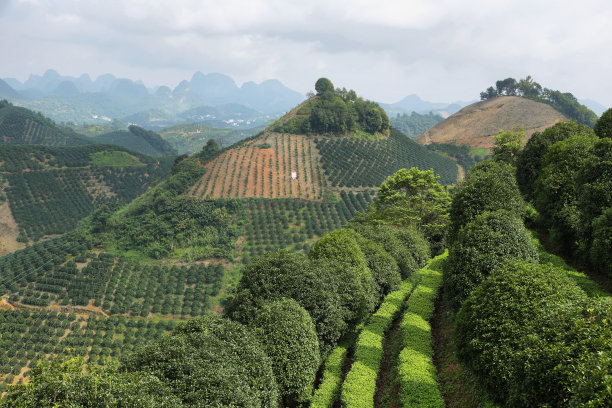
(164, 223)
(357, 290)
(556, 189)
(52, 188)
(329, 388)
(114, 158)
(139, 140)
(415, 198)
(23, 126)
(482, 246)
(67, 383)
(360, 383)
(289, 338)
(383, 267)
(565, 103)
(527, 332)
(416, 371)
(407, 246)
(603, 127)
(47, 273)
(489, 186)
(290, 275)
(336, 112)
(414, 124)
(210, 361)
(530, 159)
(352, 162)
(461, 153)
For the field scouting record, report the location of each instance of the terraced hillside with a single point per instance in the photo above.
(50, 188)
(23, 126)
(264, 167)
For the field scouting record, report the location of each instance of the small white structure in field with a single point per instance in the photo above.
(294, 175)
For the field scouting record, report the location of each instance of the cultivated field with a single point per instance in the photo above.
(263, 168)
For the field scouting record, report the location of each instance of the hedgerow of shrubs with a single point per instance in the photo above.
(416, 371)
(502, 316)
(360, 384)
(489, 186)
(481, 246)
(211, 361)
(289, 338)
(383, 267)
(407, 246)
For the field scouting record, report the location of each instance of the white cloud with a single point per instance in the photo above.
(386, 49)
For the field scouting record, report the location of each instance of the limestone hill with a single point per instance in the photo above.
(475, 124)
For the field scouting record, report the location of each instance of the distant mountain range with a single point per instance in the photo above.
(212, 99)
(83, 100)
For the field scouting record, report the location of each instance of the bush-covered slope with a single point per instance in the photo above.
(51, 188)
(23, 126)
(139, 140)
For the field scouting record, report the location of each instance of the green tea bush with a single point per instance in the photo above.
(360, 383)
(64, 382)
(530, 159)
(416, 371)
(340, 252)
(210, 361)
(489, 186)
(384, 269)
(406, 245)
(285, 274)
(507, 310)
(481, 246)
(290, 340)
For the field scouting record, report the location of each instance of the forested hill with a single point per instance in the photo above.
(139, 140)
(23, 126)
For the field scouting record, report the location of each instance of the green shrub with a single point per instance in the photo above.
(601, 248)
(530, 159)
(553, 366)
(384, 269)
(327, 392)
(408, 248)
(291, 275)
(481, 246)
(603, 126)
(556, 190)
(506, 309)
(290, 340)
(416, 371)
(64, 382)
(489, 186)
(210, 361)
(341, 254)
(360, 384)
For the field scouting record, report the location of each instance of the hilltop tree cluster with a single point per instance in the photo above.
(564, 102)
(337, 112)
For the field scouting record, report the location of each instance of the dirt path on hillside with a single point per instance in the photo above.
(8, 231)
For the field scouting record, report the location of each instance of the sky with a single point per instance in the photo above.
(441, 50)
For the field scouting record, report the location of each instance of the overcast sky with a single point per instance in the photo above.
(442, 50)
